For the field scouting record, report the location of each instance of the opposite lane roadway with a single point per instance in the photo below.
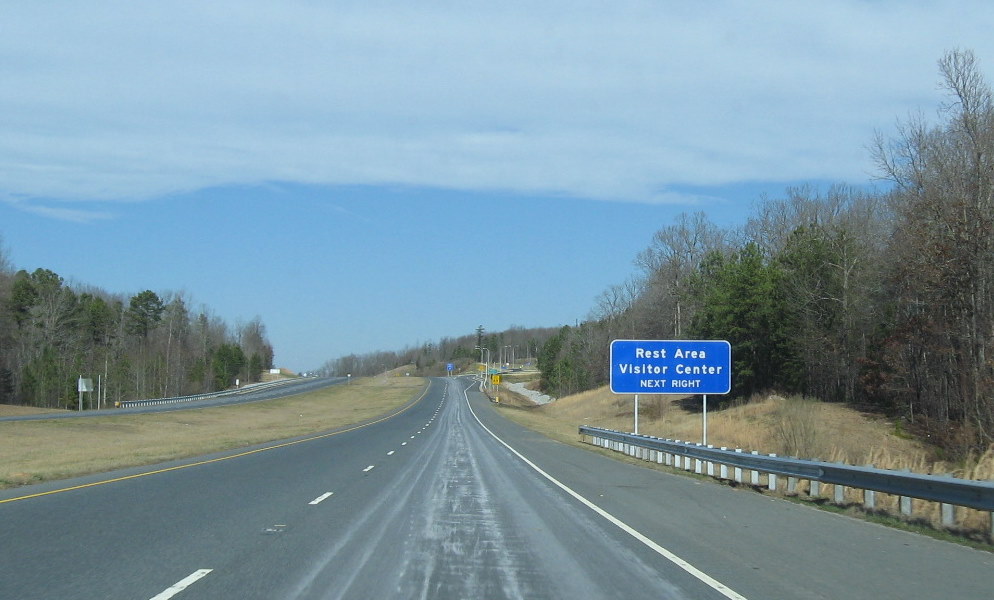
(431, 504)
(242, 396)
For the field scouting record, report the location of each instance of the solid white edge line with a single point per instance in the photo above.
(182, 584)
(321, 498)
(711, 582)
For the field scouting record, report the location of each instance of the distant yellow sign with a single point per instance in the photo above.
(495, 379)
(481, 367)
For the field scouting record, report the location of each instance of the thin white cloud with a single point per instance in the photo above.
(75, 215)
(618, 100)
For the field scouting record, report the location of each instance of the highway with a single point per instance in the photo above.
(448, 500)
(243, 396)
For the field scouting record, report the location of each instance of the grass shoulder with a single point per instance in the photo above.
(37, 451)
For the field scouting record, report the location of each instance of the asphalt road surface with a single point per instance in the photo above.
(448, 500)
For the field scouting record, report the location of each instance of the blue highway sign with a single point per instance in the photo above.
(671, 367)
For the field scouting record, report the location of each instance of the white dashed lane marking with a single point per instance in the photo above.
(321, 498)
(182, 584)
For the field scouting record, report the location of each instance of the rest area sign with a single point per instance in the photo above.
(671, 367)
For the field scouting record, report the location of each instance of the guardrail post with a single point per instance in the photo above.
(869, 499)
(723, 467)
(669, 459)
(710, 465)
(791, 484)
(906, 506)
(815, 490)
(754, 477)
(948, 515)
(772, 478)
(840, 493)
(698, 467)
(738, 470)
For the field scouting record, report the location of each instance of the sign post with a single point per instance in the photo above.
(636, 432)
(704, 417)
(671, 367)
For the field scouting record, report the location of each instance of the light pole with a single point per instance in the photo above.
(486, 365)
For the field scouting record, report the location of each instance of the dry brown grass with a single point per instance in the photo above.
(786, 426)
(35, 451)
(7, 410)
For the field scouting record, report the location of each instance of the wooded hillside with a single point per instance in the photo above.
(145, 346)
(879, 299)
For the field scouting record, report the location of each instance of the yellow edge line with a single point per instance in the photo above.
(214, 460)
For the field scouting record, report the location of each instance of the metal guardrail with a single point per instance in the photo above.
(937, 488)
(195, 397)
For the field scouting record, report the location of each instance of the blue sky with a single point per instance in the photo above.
(367, 175)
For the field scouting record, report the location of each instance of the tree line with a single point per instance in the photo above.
(882, 299)
(431, 358)
(145, 346)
